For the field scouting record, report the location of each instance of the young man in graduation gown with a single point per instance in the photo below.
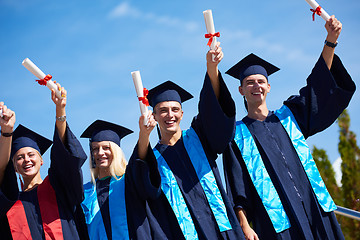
(192, 203)
(44, 209)
(270, 174)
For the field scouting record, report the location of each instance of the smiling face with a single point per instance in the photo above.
(168, 115)
(102, 154)
(255, 89)
(27, 162)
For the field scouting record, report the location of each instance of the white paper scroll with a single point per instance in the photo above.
(40, 75)
(314, 5)
(210, 28)
(1, 115)
(140, 93)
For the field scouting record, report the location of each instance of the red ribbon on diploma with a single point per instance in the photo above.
(317, 11)
(211, 36)
(144, 99)
(44, 80)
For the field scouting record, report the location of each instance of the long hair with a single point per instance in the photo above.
(117, 166)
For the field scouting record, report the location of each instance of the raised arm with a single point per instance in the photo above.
(145, 130)
(333, 27)
(7, 123)
(212, 67)
(60, 111)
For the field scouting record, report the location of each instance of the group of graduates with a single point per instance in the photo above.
(174, 190)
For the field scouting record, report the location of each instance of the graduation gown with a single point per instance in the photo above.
(63, 185)
(317, 106)
(214, 126)
(133, 218)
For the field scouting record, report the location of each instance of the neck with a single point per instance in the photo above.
(104, 172)
(258, 112)
(170, 139)
(30, 183)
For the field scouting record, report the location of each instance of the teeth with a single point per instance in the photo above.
(169, 122)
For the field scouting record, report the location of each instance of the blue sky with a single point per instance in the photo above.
(91, 47)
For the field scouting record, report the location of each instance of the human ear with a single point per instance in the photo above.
(241, 91)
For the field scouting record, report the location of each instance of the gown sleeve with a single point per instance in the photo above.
(9, 190)
(143, 176)
(65, 169)
(215, 123)
(324, 98)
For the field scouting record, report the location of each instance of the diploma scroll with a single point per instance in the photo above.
(41, 76)
(1, 114)
(140, 94)
(318, 10)
(210, 28)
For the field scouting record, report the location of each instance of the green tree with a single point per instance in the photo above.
(327, 174)
(350, 167)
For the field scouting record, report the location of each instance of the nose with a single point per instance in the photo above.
(26, 158)
(169, 113)
(101, 151)
(256, 84)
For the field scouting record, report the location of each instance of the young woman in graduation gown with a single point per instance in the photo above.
(271, 176)
(45, 208)
(191, 202)
(112, 206)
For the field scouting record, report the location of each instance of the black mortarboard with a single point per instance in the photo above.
(24, 137)
(167, 91)
(101, 130)
(251, 65)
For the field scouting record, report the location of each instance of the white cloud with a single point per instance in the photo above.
(124, 9)
(261, 44)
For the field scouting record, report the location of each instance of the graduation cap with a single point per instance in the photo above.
(167, 91)
(101, 130)
(24, 137)
(251, 65)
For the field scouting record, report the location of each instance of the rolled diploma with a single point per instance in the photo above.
(1, 115)
(314, 6)
(140, 93)
(210, 28)
(40, 75)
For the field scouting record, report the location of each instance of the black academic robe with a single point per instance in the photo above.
(317, 106)
(135, 181)
(215, 127)
(65, 178)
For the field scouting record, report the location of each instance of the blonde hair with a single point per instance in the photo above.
(117, 166)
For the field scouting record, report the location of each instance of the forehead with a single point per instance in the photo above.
(168, 104)
(100, 144)
(25, 150)
(255, 77)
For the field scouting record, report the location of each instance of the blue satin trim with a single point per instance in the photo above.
(173, 193)
(117, 210)
(206, 177)
(288, 120)
(260, 178)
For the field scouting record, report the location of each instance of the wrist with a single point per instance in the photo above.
(6, 133)
(61, 118)
(330, 43)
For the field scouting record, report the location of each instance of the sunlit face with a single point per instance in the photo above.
(168, 115)
(27, 162)
(255, 88)
(102, 154)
